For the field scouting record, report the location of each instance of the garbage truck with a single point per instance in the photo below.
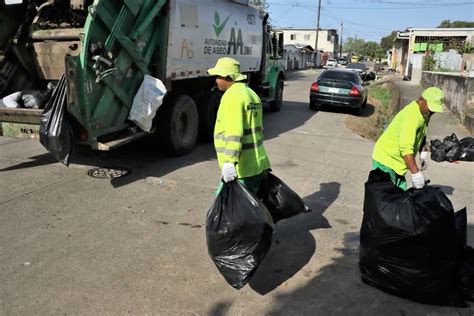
(104, 48)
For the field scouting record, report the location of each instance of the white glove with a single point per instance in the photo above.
(228, 172)
(424, 159)
(418, 180)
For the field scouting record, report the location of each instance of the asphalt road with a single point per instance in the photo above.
(73, 244)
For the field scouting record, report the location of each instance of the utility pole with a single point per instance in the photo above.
(340, 46)
(317, 27)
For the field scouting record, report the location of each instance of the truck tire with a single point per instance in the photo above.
(178, 125)
(275, 105)
(208, 106)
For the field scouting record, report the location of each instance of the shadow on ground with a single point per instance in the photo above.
(366, 111)
(338, 290)
(293, 244)
(146, 159)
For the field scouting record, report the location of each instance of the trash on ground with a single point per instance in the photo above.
(412, 244)
(452, 149)
(239, 232)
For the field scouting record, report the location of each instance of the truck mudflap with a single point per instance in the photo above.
(119, 42)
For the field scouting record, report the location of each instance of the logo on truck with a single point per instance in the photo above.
(234, 46)
(218, 26)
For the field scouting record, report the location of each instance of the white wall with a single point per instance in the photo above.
(308, 37)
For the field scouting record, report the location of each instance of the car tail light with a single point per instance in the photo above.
(315, 87)
(354, 92)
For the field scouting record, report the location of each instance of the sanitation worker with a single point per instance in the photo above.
(238, 133)
(405, 136)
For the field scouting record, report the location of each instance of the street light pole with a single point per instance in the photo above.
(340, 46)
(317, 27)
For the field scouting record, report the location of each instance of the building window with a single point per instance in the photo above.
(293, 37)
(306, 37)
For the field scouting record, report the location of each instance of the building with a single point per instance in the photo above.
(327, 38)
(299, 57)
(413, 44)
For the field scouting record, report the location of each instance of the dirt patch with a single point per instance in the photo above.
(382, 105)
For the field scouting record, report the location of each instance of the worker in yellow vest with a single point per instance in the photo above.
(395, 150)
(238, 133)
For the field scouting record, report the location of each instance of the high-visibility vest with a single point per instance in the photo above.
(238, 133)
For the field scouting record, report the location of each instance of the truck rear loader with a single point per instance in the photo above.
(105, 47)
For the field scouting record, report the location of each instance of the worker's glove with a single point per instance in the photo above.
(418, 180)
(424, 159)
(228, 172)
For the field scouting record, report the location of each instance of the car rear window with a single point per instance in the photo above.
(339, 75)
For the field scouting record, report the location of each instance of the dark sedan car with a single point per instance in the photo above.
(338, 87)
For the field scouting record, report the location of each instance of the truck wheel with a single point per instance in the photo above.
(275, 105)
(208, 113)
(178, 125)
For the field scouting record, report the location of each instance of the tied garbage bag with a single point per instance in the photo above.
(146, 102)
(409, 243)
(55, 131)
(281, 201)
(452, 149)
(239, 233)
(467, 149)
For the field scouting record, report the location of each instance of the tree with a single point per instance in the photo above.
(354, 46)
(449, 24)
(261, 4)
(370, 49)
(387, 42)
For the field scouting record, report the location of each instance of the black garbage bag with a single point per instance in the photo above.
(408, 242)
(467, 273)
(239, 233)
(449, 149)
(467, 149)
(55, 130)
(437, 150)
(281, 201)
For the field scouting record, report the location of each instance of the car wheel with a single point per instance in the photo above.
(314, 106)
(275, 105)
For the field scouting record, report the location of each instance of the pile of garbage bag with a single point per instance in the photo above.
(413, 245)
(240, 225)
(29, 99)
(452, 149)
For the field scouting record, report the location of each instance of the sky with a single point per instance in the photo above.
(368, 19)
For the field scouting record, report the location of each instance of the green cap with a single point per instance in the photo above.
(435, 99)
(227, 67)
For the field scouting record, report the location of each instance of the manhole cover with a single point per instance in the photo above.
(108, 173)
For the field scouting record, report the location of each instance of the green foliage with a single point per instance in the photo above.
(387, 42)
(454, 24)
(353, 45)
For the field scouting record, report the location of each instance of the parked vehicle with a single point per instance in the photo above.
(362, 70)
(340, 88)
(106, 47)
(331, 63)
(354, 59)
(342, 62)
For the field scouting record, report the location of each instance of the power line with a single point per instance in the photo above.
(419, 6)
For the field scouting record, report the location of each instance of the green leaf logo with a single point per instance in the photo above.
(218, 26)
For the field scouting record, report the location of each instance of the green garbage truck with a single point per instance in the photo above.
(106, 47)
